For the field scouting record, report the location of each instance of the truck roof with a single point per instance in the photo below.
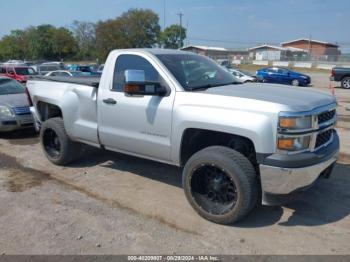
(157, 51)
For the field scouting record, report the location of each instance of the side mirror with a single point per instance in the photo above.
(135, 84)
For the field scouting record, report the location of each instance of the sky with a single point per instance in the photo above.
(226, 23)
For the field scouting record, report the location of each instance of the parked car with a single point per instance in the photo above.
(14, 108)
(44, 69)
(15, 63)
(282, 75)
(224, 62)
(232, 140)
(100, 69)
(63, 73)
(245, 77)
(59, 64)
(19, 73)
(84, 69)
(94, 67)
(341, 74)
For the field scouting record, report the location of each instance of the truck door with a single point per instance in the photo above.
(140, 125)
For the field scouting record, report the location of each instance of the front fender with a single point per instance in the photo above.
(257, 127)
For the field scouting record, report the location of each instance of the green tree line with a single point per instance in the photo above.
(136, 28)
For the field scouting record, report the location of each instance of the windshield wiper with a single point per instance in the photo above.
(212, 85)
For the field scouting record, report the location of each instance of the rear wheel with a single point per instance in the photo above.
(56, 144)
(345, 83)
(220, 184)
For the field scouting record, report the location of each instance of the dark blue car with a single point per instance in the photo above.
(282, 76)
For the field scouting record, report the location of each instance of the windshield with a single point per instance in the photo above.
(196, 72)
(23, 71)
(10, 87)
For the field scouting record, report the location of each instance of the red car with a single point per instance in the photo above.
(19, 73)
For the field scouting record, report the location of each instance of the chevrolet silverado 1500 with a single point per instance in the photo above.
(237, 143)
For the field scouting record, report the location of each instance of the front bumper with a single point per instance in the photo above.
(16, 122)
(286, 176)
(282, 181)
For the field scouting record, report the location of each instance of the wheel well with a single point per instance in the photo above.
(47, 111)
(344, 77)
(194, 140)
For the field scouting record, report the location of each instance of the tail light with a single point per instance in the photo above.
(30, 102)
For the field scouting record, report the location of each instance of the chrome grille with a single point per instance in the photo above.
(326, 116)
(21, 110)
(323, 138)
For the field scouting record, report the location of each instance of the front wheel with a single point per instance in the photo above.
(295, 82)
(56, 144)
(220, 184)
(345, 83)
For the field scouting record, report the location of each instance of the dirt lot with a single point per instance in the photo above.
(109, 203)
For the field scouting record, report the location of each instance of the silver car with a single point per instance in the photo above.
(14, 107)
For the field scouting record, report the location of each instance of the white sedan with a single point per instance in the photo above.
(242, 76)
(62, 73)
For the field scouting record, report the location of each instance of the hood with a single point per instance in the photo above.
(14, 100)
(294, 98)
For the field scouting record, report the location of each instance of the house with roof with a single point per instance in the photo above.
(276, 53)
(317, 50)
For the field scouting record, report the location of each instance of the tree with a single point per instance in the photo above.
(42, 42)
(85, 35)
(136, 28)
(14, 45)
(63, 43)
(173, 37)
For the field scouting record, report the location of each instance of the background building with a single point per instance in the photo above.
(317, 50)
(218, 52)
(276, 53)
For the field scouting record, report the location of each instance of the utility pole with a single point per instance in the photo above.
(180, 15)
(164, 10)
(188, 42)
(310, 47)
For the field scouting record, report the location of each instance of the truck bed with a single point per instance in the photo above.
(93, 81)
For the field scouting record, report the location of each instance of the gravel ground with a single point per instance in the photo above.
(109, 203)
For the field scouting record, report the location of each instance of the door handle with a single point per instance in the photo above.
(109, 101)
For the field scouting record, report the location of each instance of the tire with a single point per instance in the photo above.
(56, 144)
(238, 171)
(345, 82)
(295, 82)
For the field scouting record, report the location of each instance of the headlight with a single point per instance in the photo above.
(295, 123)
(5, 111)
(294, 143)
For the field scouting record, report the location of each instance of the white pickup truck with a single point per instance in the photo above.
(237, 143)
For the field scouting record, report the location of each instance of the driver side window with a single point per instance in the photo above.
(132, 62)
